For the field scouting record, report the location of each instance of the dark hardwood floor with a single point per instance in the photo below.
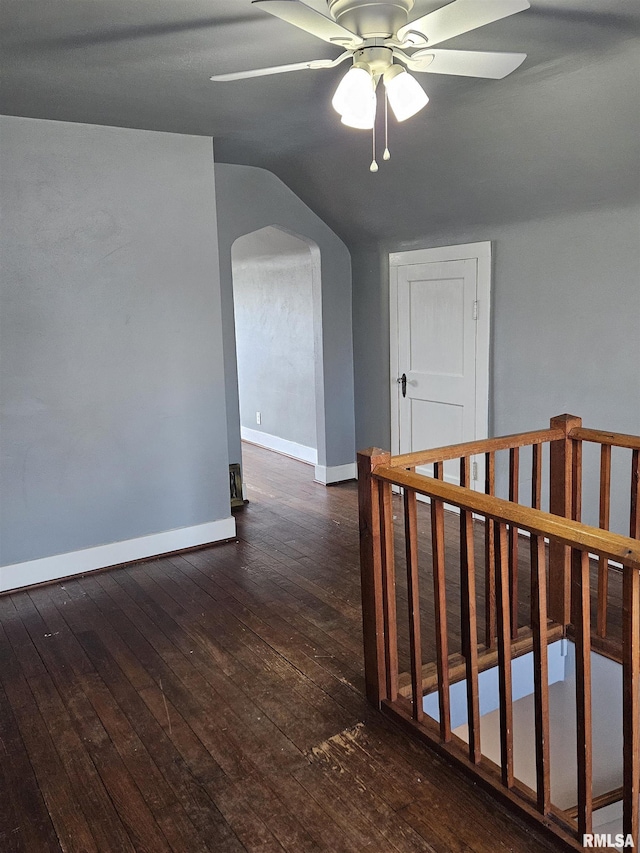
(213, 701)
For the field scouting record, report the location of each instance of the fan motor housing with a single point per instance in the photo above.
(377, 59)
(369, 18)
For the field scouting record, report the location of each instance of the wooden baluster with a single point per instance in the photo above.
(631, 701)
(504, 654)
(514, 473)
(389, 589)
(464, 592)
(536, 476)
(469, 616)
(371, 574)
(576, 480)
(536, 500)
(490, 556)
(413, 592)
(634, 526)
(582, 627)
(603, 562)
(631, 670)
(560, 498)
(440, 605)
(540, 670)
(464, 587)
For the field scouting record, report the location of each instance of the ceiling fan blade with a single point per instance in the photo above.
(306, 18)
(465, 63)
(459, 17)
(282, 69)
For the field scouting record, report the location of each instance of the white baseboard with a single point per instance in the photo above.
(102, 556)
(280, 445)
(336, 473)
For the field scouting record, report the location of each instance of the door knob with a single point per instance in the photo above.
(402, 380)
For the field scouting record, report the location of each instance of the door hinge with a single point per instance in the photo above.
(475, 310)
(474, 471)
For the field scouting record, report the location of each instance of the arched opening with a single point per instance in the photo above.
(250, 200)
(276, 295)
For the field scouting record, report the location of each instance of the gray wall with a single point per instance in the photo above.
(249, 199)
(566, 305)
(113, 406)
(273, 278)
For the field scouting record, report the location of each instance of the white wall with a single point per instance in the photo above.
(113, 401)
(273, 297)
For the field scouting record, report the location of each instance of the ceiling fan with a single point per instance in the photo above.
(383, 43)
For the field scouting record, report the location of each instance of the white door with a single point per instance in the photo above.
(440, 349)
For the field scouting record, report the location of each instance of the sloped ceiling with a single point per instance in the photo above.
(561, 133)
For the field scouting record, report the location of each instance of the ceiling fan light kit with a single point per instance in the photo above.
(384, 44)
(354, 99)
(406, 95)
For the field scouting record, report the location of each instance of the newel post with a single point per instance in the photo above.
(371, 574)
(561, 503)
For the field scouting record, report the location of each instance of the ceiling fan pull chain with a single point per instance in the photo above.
(386, 155)
(374, 166)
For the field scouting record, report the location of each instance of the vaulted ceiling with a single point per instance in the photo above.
(560, 133)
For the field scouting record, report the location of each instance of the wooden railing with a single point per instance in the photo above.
(499, 544)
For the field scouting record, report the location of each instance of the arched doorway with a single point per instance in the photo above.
(250, 200)
(276, 294)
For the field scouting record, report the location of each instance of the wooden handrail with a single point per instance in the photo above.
(564, 530)
(599, 802)
(614, 439)
(470, 448)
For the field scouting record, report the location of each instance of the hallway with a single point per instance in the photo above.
(213, 701)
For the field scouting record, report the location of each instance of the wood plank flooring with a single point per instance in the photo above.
(213, 701)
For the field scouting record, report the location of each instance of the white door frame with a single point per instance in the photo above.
(481, 254)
